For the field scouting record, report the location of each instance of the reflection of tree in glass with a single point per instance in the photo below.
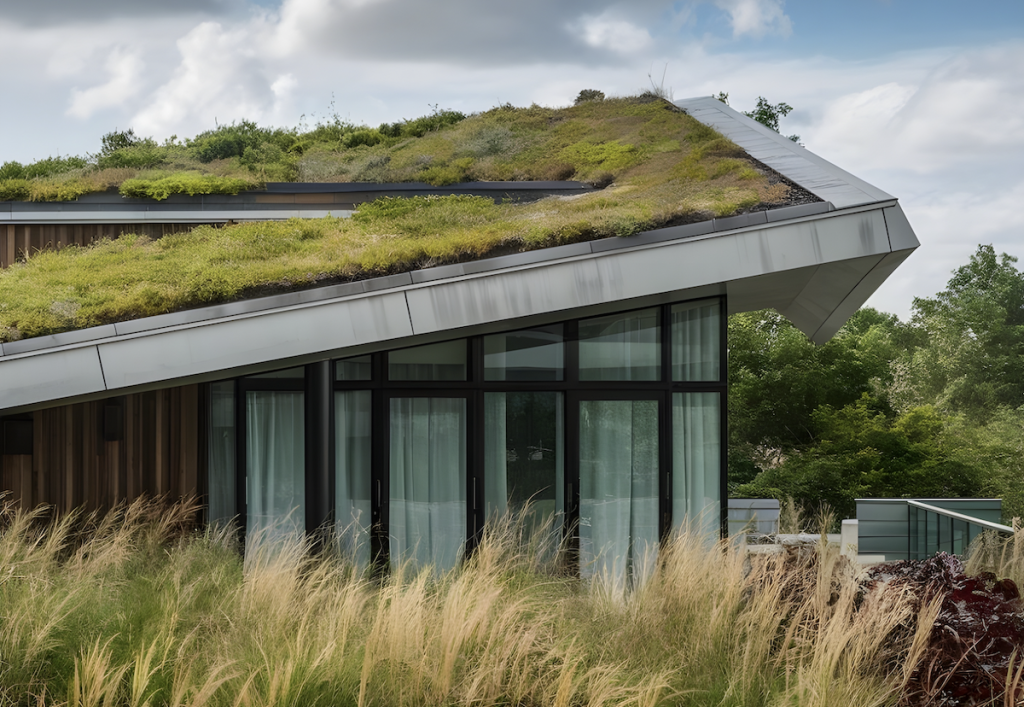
(530, 432)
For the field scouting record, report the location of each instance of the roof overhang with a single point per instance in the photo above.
(816, 264)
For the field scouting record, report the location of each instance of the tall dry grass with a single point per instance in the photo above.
(133, 608)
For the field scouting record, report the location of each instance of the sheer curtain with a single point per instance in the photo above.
(618, 488)
(352, 420)
(495, 454)
(696, 341)
(221, 474)
(275, 463)
(428, 481)
(696, 461)
(621, 347)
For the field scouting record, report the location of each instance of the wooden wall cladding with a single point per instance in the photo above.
(80, 460)
(20, 241)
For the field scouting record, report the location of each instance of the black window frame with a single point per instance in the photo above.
(473, 390)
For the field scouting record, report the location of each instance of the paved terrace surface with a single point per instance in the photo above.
(815, 263)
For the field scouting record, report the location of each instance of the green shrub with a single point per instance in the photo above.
(367, 136)
(232, 140)
(12, 170)
(52, 166)
(589, 94)
(142, 155)
(58, 189)
(443, 175)
(437, 120)
(190, 183)
(14, 189)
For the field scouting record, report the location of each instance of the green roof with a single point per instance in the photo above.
(654, 165)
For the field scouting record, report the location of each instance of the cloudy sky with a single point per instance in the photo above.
(924, 98)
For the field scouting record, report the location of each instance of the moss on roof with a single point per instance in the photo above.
(660, 166)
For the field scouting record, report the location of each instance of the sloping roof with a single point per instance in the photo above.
(814, 263)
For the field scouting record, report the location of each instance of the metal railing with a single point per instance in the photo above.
(932, 529)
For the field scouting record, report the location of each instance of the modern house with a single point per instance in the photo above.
(588, 379)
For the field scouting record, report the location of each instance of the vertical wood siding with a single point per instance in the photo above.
(21, 241)
(72, 466)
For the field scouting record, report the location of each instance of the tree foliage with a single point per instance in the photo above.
(932, 407)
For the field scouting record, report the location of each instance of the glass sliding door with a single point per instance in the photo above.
(697, 462)
(427, 480)
(352, 439)
(275, 462)
(524, 460)
(619, 461)
(222, 496)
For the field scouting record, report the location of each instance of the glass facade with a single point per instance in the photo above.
(621, 347)
(528, 355)
(275, 462)
(352, 469)
(608, 431)
(434, 362)
(427, 470)
(524, 460)
(619, 462)
(222, 494)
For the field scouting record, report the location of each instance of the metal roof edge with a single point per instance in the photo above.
(816, 174)
(403, 311)
(475, 267)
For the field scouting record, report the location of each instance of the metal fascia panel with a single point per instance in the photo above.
(253, 339)
(58, 374)
(901, 235)
(645, 271)
(63, 339)
(825, 291)
(859, 295)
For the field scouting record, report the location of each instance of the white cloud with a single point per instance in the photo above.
(605, 32)
(950, 225)
(969, 105)
(757, 17)
(125, 69)
(222, 77)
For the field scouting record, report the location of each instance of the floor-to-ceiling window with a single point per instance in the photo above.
(609, 429)
(274, 453)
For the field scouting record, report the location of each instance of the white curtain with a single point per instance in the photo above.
(696, 341)
(352, 420)
(696, 461)
(495, 454)
(428, 481)
(618, 488)
(620, 347)
(275, 460)
(221, 473)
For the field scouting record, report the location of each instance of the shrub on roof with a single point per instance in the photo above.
(190, 183)
(58, 189)
(143, 155)
(14, 189)
(437, 120)
(228, 141)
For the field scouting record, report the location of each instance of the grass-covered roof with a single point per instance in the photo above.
(655, 165)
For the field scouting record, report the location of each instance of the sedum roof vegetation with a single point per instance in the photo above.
(657, 166)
